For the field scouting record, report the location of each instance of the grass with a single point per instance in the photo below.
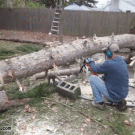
(41, 90)
(10, 49)
(114, 120)
(27, 48)
(111, 118)
(5, 52)
(118, 126)
(36, 93)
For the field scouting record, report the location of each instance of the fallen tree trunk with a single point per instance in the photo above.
(27, 65)
(24, 41)
(43, 43)
(53, 74)
(5, 103)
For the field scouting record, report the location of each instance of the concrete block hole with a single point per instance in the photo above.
(63, 84)
(72, 87)
(67, 86)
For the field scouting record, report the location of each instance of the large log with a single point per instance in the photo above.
(5, 103)
(53, 74)
(27, 65)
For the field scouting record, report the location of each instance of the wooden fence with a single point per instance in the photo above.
(74, 23)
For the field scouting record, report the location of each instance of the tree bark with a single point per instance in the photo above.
(5, 103)
(53, 74)
(27, 65)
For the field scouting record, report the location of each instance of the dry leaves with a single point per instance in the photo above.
(85, 124)
(22, 126)
(87, 120)
(127, 122)
(29, 109)
(32, 128)
(82, 129)
(54, 109)
(130, 110)
(33, 117)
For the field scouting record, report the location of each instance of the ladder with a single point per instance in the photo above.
(56, 22)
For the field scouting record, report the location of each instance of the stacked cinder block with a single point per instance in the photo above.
(69, 90)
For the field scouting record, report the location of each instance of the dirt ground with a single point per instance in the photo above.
(34, 36)
(61, 116)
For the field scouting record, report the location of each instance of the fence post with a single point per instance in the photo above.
(61, 27)
(134, 22)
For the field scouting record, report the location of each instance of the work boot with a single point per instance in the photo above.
(100, 106)
(122, 105)
(105, 99)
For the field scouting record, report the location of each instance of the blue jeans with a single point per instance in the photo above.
(99, 89)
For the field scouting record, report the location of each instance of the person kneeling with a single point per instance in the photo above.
(114, 82)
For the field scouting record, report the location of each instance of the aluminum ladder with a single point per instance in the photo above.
(56, 21)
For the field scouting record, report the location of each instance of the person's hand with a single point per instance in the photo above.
(88, 60)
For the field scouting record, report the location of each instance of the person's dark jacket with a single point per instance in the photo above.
(115, 76)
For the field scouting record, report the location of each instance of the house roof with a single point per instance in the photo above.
(130, 2)
(121, 9)
(74, 6)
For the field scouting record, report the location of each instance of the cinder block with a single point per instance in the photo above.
(67, 89)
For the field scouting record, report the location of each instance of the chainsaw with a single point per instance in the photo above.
(86, 69)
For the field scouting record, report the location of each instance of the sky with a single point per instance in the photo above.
(101, 3)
